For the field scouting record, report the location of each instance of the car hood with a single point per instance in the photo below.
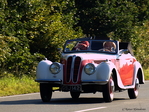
(90, 56)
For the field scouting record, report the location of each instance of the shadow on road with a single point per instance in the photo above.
(58, 101)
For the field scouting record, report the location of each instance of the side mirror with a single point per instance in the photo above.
(126, 51)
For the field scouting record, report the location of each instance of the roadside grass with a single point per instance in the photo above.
(11, 85)
(146, 74)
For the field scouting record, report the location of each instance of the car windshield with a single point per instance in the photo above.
(104, 46)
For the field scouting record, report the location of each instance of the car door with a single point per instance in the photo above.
(126, 68)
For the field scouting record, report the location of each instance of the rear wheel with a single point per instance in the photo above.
(45, 92)
(108, 91)
(74, 95)
(133, 93)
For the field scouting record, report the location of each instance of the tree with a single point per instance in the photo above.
(105, 17)
(143, 9)
(55, 22)
(5, 49)
(140, 43)
(124, 20)
(40, 26)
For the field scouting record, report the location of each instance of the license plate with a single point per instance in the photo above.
(71, 88)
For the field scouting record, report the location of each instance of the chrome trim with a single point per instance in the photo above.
(78, 70)
(90, 64)
(54, 81)
(58, 65)
(72, 67)
(98, 82)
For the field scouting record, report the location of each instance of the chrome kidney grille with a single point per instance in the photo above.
(73, 69)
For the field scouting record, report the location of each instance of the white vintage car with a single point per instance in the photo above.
(90, 66)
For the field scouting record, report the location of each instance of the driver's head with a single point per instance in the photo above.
(85, 42)
(83, 45)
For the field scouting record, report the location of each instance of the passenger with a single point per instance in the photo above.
(82, 45)
(108, 46)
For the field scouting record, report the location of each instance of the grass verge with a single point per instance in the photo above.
(14, 85)
(146, 74)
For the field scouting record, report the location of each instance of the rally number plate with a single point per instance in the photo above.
(71, 88)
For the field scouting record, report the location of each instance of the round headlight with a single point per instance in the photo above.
(55, 68)
(89, 69)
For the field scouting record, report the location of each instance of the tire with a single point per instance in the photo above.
(45, 92)
(108, 91)
(74, 95)
(133, 93)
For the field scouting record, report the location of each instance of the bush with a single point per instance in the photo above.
(38, 28)
(140, 43)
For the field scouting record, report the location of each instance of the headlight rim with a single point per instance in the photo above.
(58, 65)
(94, 68)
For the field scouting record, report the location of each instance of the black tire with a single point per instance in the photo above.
(45, 92)
(133, 93)
(74, 95)
(108, 91)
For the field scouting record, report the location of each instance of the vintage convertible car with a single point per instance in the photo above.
(90, 66)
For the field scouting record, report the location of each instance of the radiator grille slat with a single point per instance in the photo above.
(76, 68)
(69, 61)
(73, 62)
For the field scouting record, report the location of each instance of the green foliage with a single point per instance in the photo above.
(16, 58)
(103, 17)
(141, 44)
(5, 49)
(31, 30)
(56, 26)
(117, 17)
(143, 8)
(40, 27)
(124, 20)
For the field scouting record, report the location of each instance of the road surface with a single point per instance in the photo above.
(62, 102)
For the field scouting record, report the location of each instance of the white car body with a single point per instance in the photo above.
(119, 69)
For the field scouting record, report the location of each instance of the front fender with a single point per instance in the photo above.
(43, 72)
(138, 72)
(101, 75)
(104, 70)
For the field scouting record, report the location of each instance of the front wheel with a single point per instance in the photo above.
(133, 93)
(108, 91)
(45, 92)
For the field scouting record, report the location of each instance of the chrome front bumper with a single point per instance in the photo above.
(53, 81)
(83, 82)
(94, 82)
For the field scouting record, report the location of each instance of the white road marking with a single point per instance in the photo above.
(90, 109)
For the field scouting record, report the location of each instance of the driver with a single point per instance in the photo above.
(83, 45)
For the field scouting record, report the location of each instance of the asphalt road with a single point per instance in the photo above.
(62, 102)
